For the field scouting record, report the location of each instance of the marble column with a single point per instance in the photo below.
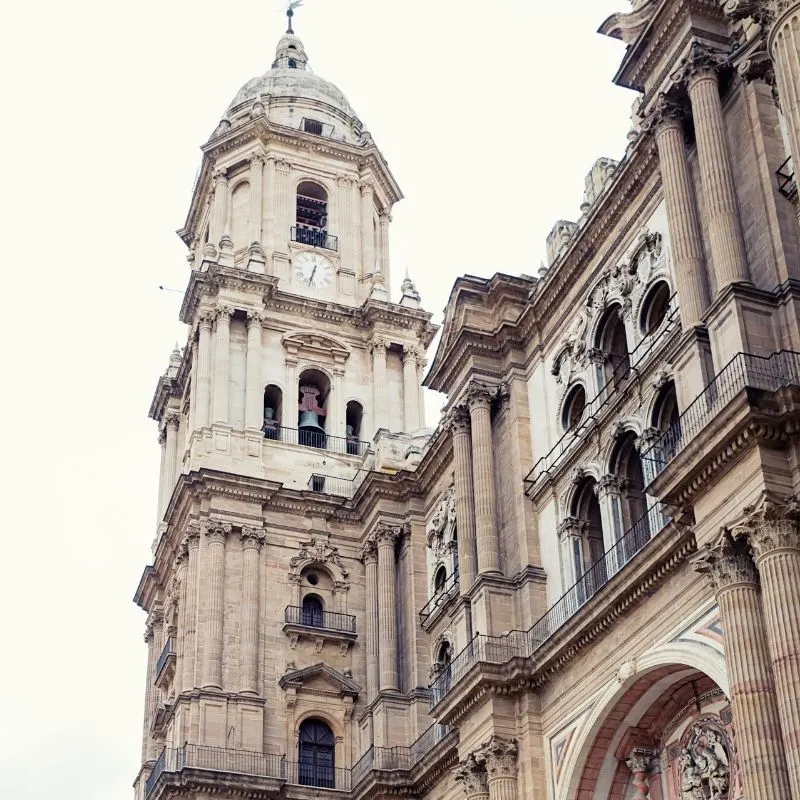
(149, 691)
(500, 757)
(172, 421)
(459, 427)
(385, 537)
(222, 343)
(410, 389)
(254, 391)
(379, 384)
(752, 689)
(421, 364)
(202, 385)
(220, 211)
(256, 198)
(369, 555)
(686, 244)
(479, 399)
(609, 498)
(471, 774)
(189, 652)
(700, 71)
(252, 539)
(774, 539)
(367, 228)
(638, 764)
(214, 598)
(784, 48)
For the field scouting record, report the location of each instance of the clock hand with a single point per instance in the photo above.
(312, 273)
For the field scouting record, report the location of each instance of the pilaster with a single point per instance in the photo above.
(252, 540)
(369, 555)
(216, 534)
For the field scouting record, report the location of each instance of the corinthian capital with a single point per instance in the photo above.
(386, 534)
(699, 63)
(725, 563)
(172, 419)
(369, 551)
(664, 114)
(223, 313)
(500, 757)
(457, 420)
(252, 538)
(479, 395)
(572, 526)
(217, 532)
(471, 774)
(770, 525)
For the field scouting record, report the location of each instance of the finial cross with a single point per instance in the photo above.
(293, 4)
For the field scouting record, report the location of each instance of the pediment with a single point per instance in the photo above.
(316, 344)
(319, 677)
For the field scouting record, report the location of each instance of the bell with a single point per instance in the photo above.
(309, 431)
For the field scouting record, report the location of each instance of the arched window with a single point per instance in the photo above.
(312, 214)
(313, 390)
(666, 418)
(312, 611)
(586, 508)
(626, 464)
(273, 408)
(439, 580)
(353, 417)
(612, 341)
(442, 668)
(654, 308)
(574, 406)
(240, 215)
(316, 755)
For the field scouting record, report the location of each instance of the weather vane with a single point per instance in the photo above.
(293, 4)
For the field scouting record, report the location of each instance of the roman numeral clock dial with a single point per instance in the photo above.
(313, 270)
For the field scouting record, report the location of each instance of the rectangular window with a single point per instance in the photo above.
(312, 126)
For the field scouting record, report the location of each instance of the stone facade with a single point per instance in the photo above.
(583, 583)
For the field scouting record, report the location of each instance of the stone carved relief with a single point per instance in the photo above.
(705, 765)
(318, 551)
(442, 524)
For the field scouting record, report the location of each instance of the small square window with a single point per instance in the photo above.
(312, 126)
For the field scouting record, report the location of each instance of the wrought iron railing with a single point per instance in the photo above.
(169, 649)
(344, 445)
(158, 769)
(765, 373)
(595, 408)
(319, 776)
(524, 644)
(332, 484)
(331, 620)
(787, 184)
(439, 598)
(314, 237)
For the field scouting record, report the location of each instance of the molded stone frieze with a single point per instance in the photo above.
(218, 531)
(253, 537)
(471, 774)
(500, 757)
(770, 526)
(725, 563)
(699, 63)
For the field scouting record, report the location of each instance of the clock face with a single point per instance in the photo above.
(313, 270)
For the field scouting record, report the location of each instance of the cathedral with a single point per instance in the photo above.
(583, 581)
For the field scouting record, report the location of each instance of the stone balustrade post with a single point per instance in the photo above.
(216, 534)
(410, 389)
(773, 534)
(700, 71)
(252, 539)
(202, 387)
(369, 555)
(752, 689)
(471, 774)
(379, 383)
(386, 537)
(222, 337)
(458, 423)
(500, 757)
(479, 399)
(254, 391)
(189, 649)
(686, 244)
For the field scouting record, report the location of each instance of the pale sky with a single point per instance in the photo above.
(490, 116)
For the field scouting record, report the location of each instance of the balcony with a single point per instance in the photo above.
(165, 666)
(431, 610)
(243, 769)
(332, 484)
(787, 184)
(343, 445)
(315, 237)
(499, 650)
(321, 626)
(319, 776)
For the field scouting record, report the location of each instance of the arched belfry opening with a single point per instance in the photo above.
(311, 214)
(316, 754)
(273, 410)
(611, 340)
(313, 393)
(354, 416)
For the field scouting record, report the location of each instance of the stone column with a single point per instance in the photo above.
(220, 211)
(222, 338)
(202, 385)
(162, 443)
(252, 539)
(254, 391)
(571, 532)
(500, 757)
(479, 399)
(189, 652)
(172, 421)
(459, 427)
(686, 244)
(383, 238)
(214, 584)
(609, 497)
(285, 213)
(380, 389)
(256, 198)
(181, 567)
(638, 764)
(367, 227)
(345, 217)
(336, 407)
(752, 690)
(774, 539)
(700, 71)
(784, 48)
(149, 691)
(156, 622)
(421, 364)
(410, 389)
(369, 555)
(385, 538)
(270, 174)
(471, 774)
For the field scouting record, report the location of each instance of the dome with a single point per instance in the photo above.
(290, 92)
